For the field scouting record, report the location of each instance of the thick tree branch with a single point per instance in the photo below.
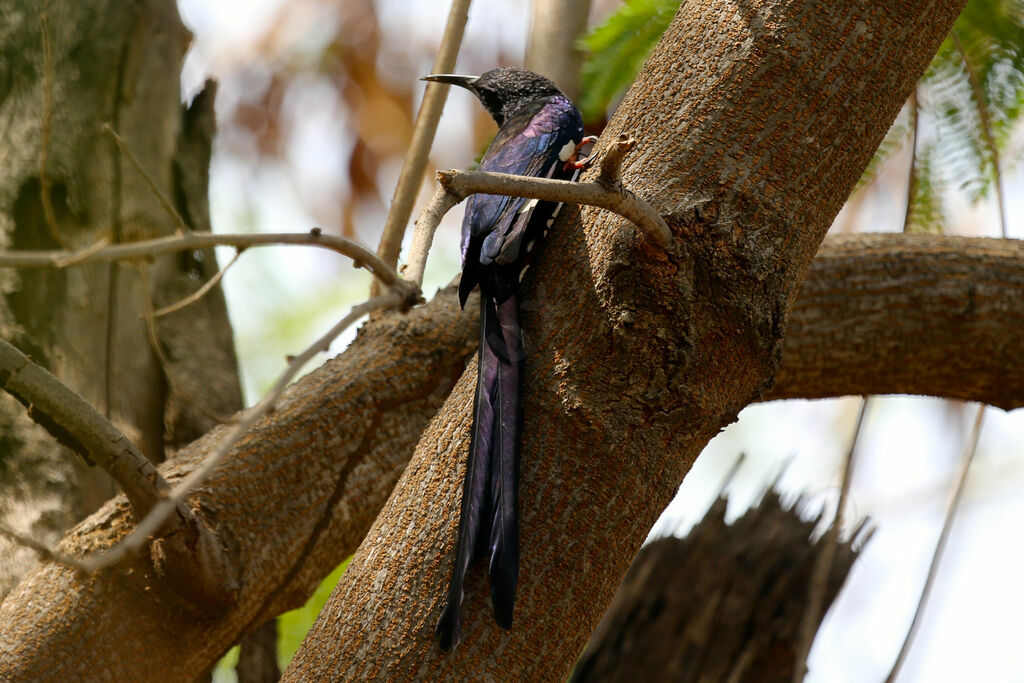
(187, 551)
(908, 314)
(78, 426)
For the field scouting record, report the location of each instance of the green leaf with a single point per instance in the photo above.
(617, 49)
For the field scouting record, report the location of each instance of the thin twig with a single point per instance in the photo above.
(244, 420)
(986, 126)
(148, 179)
(79, 256)
(912, 170)
(940, 545)
(622, 201)
(148, 249)
(158, 350)
(826, 558)
(423, 235)
(606, 192)
(199, 293)
(44, 132)
(148, 314)
(411, 177)
(41, 549)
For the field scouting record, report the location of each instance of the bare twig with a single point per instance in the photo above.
(44, 132)
(83, 254)
(41, 549)
(199, 293)
(912, 170)
(940, 545)
(423, 236)
(77, 425)
(605, 192)
(160, 196)
(154, 339)
(147, 249)
(243, 421)
(823, 564)
(422, 138)
(986, 125)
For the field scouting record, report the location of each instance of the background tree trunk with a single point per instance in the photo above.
(65, 72)
(765, 116)
(556, 28)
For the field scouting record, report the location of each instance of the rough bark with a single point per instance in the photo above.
(887, 314)
(725, 603)
(765, 116)
(292, 501)
(85, 324)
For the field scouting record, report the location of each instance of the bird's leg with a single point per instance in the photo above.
(574, 160)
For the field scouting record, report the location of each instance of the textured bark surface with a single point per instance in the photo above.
(292, 501)
(754, 120)
(723, 604)
(909, 314)
(85, 324)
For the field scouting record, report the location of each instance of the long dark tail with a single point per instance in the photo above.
(489, 520)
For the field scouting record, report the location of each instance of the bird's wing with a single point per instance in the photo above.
(531, 144)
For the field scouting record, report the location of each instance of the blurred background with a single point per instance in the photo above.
(315, 105)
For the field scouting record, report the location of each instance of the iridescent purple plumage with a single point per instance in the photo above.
(538, 125)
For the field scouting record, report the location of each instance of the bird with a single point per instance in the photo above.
(540, 134)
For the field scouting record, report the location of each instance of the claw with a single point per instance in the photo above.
(574, 160)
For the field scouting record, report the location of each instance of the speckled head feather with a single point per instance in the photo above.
(502, 91)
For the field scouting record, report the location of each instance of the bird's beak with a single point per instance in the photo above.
(452, 79)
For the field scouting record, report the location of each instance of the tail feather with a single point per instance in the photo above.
(504, 532)
(488, 520)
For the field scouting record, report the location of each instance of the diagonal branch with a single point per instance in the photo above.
(172, 498)
(77, 425)
(422, 137)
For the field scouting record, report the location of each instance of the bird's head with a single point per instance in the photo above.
(502, 91)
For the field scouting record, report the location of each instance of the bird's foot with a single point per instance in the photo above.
(574, 160)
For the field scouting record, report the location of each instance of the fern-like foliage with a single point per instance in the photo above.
(927, 198)
(971, 96)
(617, 49)
(895, 140)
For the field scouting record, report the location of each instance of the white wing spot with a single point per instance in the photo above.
(528, 206)
(567, 151)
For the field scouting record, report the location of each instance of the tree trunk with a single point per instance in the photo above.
(725, 603)
(556, 28)
(66, 72)
(754, 121)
